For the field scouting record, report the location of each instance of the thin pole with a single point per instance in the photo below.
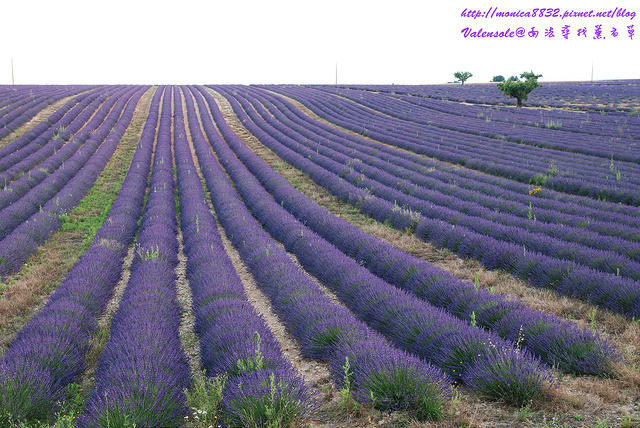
(13, 82)
(336, 74)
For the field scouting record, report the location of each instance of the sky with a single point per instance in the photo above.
(307, 42)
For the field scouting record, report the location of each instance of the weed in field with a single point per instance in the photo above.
(524, 412)
(538, 179)
(259, 399)
(592, 320)
(252, 363)
(553, 124)
(347, 401)
(149, 253)
(629, 421)
(205, 399)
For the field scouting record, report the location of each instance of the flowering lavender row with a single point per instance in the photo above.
(617, 97)
(399, 184)
(20, 116)
(24, 105)
(53, 153)
(376, 372)
(586, 123)
(49, 352)
(27, 150)
(571, 173)
(566, 277)
(23, 142)
(15, 97)
(558, 343)
(234, 340)
(16, 248)
(12, 101)
(409, 323)
(544, 137)
(142, 372)
(12, 97)
(500, 226)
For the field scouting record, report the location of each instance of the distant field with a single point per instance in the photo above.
(321, 256)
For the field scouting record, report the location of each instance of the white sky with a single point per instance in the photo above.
(289, 41)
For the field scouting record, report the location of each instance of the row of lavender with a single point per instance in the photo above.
(559, 343)
(13, 97)
(596, 177)
(618, 97)
(586, 123)
(494, 193)
(21, 110)
(13, 103)
(566, 276)
(584, 211)
(551, 133)
(31, 220)
(49, 353)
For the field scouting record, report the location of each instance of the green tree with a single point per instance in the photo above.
(513, 79)
(520, 89)
(498, 78)
(462, 76)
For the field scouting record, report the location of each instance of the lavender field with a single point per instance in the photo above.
(320, 256)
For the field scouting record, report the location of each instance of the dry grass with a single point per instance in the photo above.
(579, 401)
(26, 291)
